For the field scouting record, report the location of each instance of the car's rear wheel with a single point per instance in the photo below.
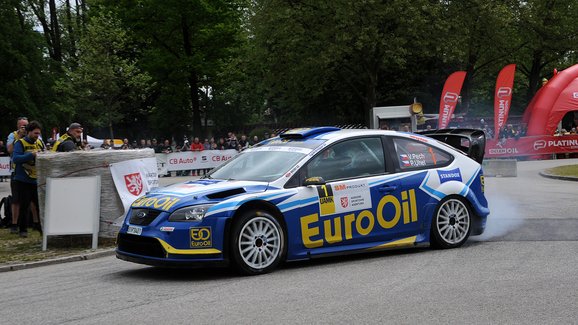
(258, 243)
(452, 223)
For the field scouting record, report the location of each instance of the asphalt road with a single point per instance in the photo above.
(524, 270)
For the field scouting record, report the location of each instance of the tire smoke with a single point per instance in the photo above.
(503, 219)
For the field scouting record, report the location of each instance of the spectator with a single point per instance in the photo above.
(243, 142)
(255, 140)
(232, 141)
(14, 137)
(3, 149)
(157, 148)
(207, 144)
(125, 145)
(196, 145)
(166, 147)
(69, 141)
(25, 152)
(86, 145)
(106, 144)
(149, 144)
(221, 145)
(143, 144)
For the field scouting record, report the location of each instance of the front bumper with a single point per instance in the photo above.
(156, 252)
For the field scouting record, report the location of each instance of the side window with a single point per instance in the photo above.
(352, 158)
(414, 154)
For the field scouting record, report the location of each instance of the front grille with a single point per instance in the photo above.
(145, 246)
(143, 217)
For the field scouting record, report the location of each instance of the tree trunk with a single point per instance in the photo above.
(193, 79)
(71, 34)
(534, 78)
(56, 43)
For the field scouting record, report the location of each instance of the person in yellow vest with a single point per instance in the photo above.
(13, 137)
(24, 157)
(71, 140)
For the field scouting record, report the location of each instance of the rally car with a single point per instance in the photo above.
(315, 192)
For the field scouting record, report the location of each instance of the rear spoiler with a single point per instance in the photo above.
(471, 141)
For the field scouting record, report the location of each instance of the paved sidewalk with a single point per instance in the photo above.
(99, 252)
(58, 260)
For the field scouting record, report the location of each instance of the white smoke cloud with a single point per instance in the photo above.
(503, 219)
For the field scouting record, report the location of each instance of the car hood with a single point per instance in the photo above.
(199, 191)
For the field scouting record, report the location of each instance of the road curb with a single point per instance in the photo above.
(58, 260)
(564, 178)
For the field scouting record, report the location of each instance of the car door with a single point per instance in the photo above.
(413, 160)
(356, 187)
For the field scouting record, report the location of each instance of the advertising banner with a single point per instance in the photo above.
(133, 178)
(533, 145)
(4, 166)
(503, 97)
(450, 96)
(191, 160)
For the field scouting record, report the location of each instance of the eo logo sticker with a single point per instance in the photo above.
(450, 175)
(201, 237)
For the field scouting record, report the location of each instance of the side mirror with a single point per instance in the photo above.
(314, 181)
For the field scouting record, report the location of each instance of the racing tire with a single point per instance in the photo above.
(451, 223)
(258, 243)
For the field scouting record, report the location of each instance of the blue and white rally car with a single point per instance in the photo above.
(315, 192)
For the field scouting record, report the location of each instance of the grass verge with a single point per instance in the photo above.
(14, 249)
(569, 170)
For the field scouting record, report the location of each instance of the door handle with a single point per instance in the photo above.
(387, 188)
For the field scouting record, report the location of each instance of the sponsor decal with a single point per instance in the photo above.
(539, 144)
(503, 107)
(326, 203)
(569, 143)
(450, 97)
(499, 151)
(450, 175)
(351, 196)
(415, 137)
(133, 183)
(504, 92)
(201, 237)
(391, 210)
(344, 202)
(167, 229)
(575, 95)
(161, 203)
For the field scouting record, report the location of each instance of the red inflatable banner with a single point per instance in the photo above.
(503, 97)
(532, 145)
(450, 96)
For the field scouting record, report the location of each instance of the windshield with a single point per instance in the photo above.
(255, 165)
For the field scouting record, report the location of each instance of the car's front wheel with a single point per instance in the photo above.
(452, 223)
(258, 243)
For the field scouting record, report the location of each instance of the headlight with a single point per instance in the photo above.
(192, 213)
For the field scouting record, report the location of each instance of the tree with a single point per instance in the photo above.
(186, 42)
(107, 84)
(24, 83)
(548, 28)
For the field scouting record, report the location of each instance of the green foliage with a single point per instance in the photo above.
(107, 84)
(162, 68)
(24, 81)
